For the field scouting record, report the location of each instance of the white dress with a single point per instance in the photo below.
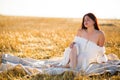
(87, 52)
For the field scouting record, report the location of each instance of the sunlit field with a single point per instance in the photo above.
(45, 38)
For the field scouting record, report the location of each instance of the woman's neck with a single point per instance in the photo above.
(90, 30)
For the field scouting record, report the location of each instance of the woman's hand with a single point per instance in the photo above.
(72, 44)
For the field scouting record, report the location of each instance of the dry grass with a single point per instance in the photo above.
(44, 38)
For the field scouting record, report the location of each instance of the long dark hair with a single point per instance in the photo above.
(92, 16)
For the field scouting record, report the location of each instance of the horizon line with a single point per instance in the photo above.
(51, 16)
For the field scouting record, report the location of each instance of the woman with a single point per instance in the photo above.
(87, 47)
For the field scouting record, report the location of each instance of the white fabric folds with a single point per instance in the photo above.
(32, 66)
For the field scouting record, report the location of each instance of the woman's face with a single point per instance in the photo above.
(88, 22)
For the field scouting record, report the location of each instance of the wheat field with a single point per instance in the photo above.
(45, 38)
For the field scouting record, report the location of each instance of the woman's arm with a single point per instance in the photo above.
(101, 57)
(101, 39)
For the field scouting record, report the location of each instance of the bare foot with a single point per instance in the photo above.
(66, 66)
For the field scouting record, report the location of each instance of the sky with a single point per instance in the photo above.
(61, 8)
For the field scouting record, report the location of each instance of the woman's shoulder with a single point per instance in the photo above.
(100, 33)
(79, 32)
(101, 38)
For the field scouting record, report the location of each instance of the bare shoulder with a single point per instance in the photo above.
(101, 34)
(79, 32)
(101, 38)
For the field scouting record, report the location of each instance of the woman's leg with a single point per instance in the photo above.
(73, 58)
(72, 63)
